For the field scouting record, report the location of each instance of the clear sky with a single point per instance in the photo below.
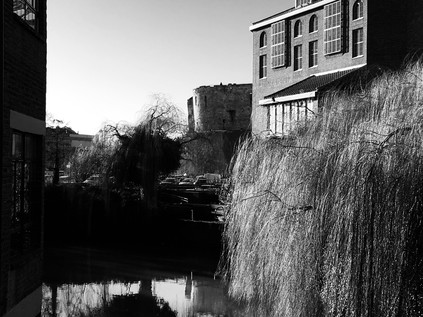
(107, 57)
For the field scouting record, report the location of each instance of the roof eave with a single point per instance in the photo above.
(270, 101)
(266, 22)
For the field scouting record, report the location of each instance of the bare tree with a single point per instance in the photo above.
(164, 116)
(58, 147)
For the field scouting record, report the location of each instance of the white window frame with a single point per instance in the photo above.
(333, 28)
(262, 66)
(313, 24)
(313, 53)
(263, 39)
(278, 44)
(298, 57)
(358, 10)
(298, 29)
(357, 42)
(283, 117)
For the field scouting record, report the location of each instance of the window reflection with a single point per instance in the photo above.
(27, 11)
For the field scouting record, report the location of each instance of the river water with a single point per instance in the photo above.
(103, 282)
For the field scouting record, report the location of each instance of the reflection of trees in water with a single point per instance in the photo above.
(139, 305)
(95, 300)
(74, 300)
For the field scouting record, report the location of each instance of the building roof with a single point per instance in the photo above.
(348, 80)
(288, 14)
(319, 83)
(274, 16)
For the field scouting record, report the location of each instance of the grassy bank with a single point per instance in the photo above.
(330, 223)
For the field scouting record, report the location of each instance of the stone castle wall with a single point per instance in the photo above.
(220, 107)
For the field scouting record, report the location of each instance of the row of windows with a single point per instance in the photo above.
(312, 55)
(282, 118)
(332, 31)
(357, 50)
(312, 26)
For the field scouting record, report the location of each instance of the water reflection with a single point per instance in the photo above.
(133, 287)
(114, 299)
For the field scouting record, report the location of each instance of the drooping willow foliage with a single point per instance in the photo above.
(330, 222)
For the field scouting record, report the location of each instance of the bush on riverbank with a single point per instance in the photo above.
(94, 216)
(330, 223)
(78, 214)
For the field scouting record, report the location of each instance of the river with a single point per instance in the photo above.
(112, 282)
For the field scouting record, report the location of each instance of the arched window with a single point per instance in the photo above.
(358, 10)
(313, 27)
(298, 28)
(263, 39)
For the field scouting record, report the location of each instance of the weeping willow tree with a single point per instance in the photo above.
(330, 222)
(151, 148)
(134, 156)
(142, 155)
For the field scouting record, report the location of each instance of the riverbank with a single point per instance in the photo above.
(91, 217)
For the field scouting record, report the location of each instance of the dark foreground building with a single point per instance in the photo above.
(300, 52)
(23, 93)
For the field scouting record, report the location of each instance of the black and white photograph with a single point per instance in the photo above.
(227, 158)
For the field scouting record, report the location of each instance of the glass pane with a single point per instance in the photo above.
(17, 146)
(29, 148)
(17, 191)
(272, 119)
(26, 191)
(18, 5)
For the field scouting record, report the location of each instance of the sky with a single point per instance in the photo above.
(106, 58)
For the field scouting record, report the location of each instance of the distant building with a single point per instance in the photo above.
(219, 116)
(81, 140)
(301, 53)
(220, 107)
(60, 145)
(23, 94)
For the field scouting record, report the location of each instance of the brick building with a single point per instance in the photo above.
(23, 128)
(220, 107)
(300, 53)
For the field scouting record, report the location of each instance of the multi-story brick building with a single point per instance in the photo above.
(220, 107)
(301, 52)
(23, 128)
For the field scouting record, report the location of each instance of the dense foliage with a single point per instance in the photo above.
(330, 222)
(134, 156)
(141, 157)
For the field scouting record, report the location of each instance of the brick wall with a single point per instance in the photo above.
(24, 89)
(393, 29)
(222, 107)
(25, 66)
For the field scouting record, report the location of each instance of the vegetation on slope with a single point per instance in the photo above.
(330, 222)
